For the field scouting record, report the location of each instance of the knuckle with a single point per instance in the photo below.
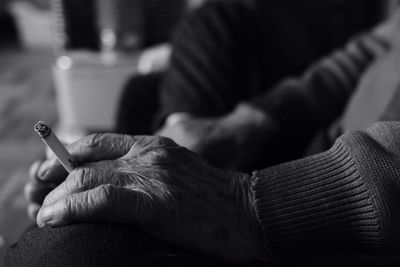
(50, 198)
(158, 140)
(128, 143)
(167, 142)
(107, 196)
(69, 207)
(81, 177)
(94, 140)
(158, 157)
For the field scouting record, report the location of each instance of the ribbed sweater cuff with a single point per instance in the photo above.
(319, 203)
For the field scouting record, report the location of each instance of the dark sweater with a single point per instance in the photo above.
(343, 200)
(229, 52)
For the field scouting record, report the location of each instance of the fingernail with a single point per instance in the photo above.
(42, 173)
(44, 169)
(43, 217)
(41, 224)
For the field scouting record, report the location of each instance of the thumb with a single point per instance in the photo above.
(177, 117)
(103, 203)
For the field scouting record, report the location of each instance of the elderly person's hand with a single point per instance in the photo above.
(39, 184)
(159, 186)
(36, 189)
(234, 141)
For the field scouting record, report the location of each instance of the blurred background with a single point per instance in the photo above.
(66, 62)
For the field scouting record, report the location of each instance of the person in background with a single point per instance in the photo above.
(343, 200)
(230, 60)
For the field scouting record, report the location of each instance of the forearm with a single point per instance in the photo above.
(342, 200)
(319, 96)
(208, 64)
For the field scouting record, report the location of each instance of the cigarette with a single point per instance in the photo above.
(52, 141)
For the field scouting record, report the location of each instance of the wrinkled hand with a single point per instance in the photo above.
(161, 187)
(234, 141)
(36, 189)
(40, 184)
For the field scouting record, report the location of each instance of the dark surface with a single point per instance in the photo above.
(138, 105)
(8, 32)
(123, 245)
(80, 24)
(99, 245)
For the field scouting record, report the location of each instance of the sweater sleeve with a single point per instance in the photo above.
(342, 200)
(319, 96)
(209, 62)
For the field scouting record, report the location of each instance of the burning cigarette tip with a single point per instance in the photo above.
(42, 129)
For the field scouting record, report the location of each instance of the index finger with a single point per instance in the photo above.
(92, 148)
(103, 203)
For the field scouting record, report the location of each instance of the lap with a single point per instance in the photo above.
(98, 245)
(101, 244)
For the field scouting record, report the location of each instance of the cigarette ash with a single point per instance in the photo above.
(42, 129)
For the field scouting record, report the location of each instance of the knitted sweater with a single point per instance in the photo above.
(343, 200)
(218, 62)
(229, 51)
